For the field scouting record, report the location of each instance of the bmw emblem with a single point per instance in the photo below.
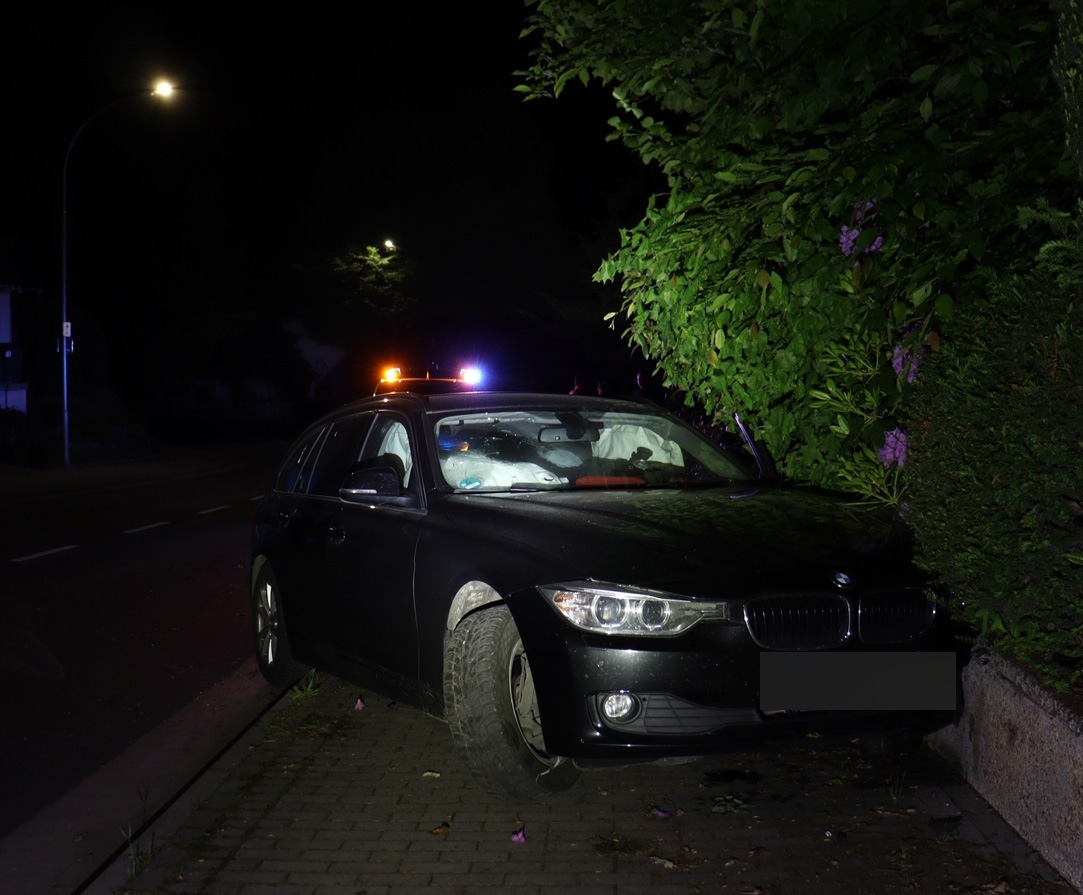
(843, 580)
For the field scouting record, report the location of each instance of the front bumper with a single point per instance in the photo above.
(713, 688)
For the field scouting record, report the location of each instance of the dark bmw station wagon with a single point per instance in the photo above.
(576, 580)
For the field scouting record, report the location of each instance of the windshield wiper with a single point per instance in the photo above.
(765, 463)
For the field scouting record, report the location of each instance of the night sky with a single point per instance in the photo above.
(198, 225)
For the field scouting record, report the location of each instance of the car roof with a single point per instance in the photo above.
(486, 400)
(437, 401)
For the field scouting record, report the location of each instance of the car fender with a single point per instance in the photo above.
(471, 596)
(456, 575)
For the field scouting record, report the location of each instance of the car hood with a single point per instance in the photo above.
(710, 543)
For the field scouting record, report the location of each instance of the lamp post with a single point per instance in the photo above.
(164, 90)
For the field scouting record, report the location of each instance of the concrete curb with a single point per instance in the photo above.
(1022, 751)
(69, 844)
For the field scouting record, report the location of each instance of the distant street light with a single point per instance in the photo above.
(164, 90)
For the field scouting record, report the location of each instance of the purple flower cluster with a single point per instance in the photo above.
(904, 358)
(894, 449)
(847, 238)
(848, 235)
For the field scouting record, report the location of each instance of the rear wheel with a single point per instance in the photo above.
(272, 643)
(492, 709)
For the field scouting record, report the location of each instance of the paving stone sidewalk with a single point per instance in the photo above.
(322, 797)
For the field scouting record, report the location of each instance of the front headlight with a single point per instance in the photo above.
(608, 611)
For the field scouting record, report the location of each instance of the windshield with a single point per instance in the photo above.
(549, 449)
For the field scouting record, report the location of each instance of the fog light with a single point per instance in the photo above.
(620, 707)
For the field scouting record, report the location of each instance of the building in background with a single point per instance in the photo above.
(12, 387)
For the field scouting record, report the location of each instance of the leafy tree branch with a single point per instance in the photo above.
(838, 177)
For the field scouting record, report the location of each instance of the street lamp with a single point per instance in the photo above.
(164, 90)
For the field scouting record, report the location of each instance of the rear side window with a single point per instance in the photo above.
(296, 471)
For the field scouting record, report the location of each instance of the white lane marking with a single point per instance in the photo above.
(132, 531)
(43, 553)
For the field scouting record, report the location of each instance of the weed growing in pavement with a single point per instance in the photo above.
(138, 858)
(727, 804)
(896, 784)
(314, 710)
(307, 686)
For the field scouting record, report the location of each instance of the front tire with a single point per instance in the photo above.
(492, 709)
(272, 643)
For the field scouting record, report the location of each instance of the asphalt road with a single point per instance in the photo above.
(121, 604)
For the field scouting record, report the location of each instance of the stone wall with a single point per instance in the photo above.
(1022, 751)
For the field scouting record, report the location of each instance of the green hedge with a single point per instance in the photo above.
(995, 462)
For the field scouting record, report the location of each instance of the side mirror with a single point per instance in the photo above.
(364, 484)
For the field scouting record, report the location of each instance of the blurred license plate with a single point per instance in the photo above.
(857, 681)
